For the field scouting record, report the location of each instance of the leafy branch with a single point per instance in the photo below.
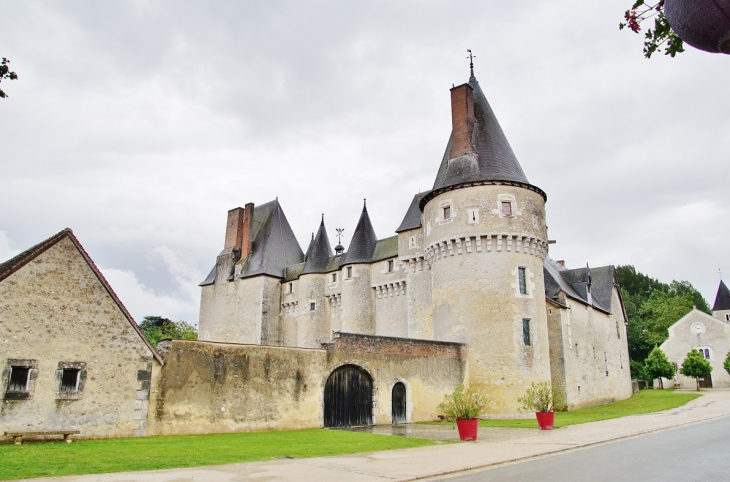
(662, 34)
(5, 73)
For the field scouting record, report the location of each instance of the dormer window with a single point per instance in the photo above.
(447, 212)
(390, 266)
(506, 208)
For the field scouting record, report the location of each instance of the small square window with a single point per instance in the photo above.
(349, 272)
(447, 212)
(312, 306)
(390, 266)
(18, 379)
(526, 331)
(70, 380)
(523, 281)
(334, 277)
(506, 208)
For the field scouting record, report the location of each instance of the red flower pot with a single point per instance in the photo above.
(546, 420)
(468, 428)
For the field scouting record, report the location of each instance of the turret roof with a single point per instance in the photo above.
(722, 300)
(319, 252)
(363, 242)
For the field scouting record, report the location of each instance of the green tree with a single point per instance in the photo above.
(5, 73)
(637, 371)
(727, 362)
(658, 366)
(157, 328)
(661, 311)
(695, 366)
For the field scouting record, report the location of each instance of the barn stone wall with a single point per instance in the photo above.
(208, 387)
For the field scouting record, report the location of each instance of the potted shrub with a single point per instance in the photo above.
(543, 398)
(465, 406)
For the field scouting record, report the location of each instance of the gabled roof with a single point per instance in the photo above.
(319, 252)
(412, 220)
(363, 241)
(495, 160)
(722, 300)
(16, 263)
(274, 246)
(575, 284)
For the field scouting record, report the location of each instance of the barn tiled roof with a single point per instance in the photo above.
(495, 160)
(722, 300)
(363, 241)
(319, 253)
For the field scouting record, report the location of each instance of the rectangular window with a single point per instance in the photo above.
(18, 379)
(312, 306)
(523, 283)
(291, 288)
(349, 272)
(526, 331)
(70, 380)
(447, 212)
(390, 266)
(506, 208)
(334, 277)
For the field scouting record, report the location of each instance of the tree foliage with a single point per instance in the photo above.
(652, 307)
(662, 34)
(5, 73)
(727, 362)
(695, 366)
(657, 365)
(157, 328)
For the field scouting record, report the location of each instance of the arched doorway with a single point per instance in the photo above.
(398, 403)
(348, 397)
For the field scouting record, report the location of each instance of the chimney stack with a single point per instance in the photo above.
(462, 120)
(239, 229)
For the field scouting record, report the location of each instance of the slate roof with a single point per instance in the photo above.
(575, 282)
(16, 263)
(722, 300)
(495, 160)
(274, 245)
(319, 253)
(412, 220)
(385, 248)
(363, 241)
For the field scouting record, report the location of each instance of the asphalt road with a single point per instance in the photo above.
(697, 452)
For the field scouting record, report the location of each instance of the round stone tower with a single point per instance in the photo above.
(485, 240)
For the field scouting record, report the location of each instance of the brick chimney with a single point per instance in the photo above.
(239, 229)
(462, 120)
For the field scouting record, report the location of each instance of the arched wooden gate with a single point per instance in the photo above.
(348, 398)
(398, 403)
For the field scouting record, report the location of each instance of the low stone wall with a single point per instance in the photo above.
(209, 387)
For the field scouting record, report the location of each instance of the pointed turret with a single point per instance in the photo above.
(363, 241)
(477, 150)
(722, 300)
(319, 252)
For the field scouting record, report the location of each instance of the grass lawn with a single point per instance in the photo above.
(646, 401)
(147, 453)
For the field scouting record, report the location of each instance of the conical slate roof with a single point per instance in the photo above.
(722, 300)
(319, 252)
(494, 160)
(363, 241)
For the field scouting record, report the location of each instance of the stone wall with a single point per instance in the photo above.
(209, 387)
(55, 313)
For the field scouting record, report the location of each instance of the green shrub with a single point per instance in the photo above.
(463, 404)
(543, 397)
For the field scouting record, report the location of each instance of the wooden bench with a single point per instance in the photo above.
(18, 436)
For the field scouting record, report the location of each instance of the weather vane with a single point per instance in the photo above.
(471, 61)
(339, 235)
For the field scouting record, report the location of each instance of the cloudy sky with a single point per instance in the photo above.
(138, 124)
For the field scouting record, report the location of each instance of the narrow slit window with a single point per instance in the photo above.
(18, 379)
(70, 380)
(523, 282)
(390, 266)
(349, 271)
(447, 212)
(291, 288)
(334, 277)
(506, 208)
(526, 331)
(312, 306)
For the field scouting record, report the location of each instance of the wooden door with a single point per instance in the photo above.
(398, 403)
(706, 382)
(348, 398)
